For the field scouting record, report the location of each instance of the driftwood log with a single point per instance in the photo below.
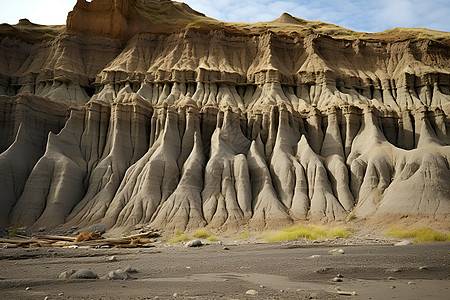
(131, 241)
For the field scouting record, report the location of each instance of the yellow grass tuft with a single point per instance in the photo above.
(420, 235)
(244, 235)
(309, 232)
(202, 233)
(179, 238)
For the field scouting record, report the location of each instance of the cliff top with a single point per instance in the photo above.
(121, 19)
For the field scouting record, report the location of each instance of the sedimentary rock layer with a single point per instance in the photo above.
(195, 128)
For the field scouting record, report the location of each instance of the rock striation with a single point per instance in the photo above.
(147, 112)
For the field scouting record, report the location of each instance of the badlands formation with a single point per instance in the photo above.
(148, 112)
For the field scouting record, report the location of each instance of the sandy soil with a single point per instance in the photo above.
(295, 270)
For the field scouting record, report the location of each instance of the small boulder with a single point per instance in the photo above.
(251, 292)
(118, 275)
(194, 243)
(130, 270)
(84, 274)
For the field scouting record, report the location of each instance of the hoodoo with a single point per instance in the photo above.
(148, 112)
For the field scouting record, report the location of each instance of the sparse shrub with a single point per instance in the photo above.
(202, 233)
(419, 235)
(179, 238)
(309, 232)
(213, 239)
(244, 235)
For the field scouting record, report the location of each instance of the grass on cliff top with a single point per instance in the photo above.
(309, 232)
(419, 235)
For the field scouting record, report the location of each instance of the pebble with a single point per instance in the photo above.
(175, 295)
(337, 279)
(61, 294)
(403, 243)
(393, 287)
(391, 278)
(251, 292)
(315, 256)
(112, 258)
(194, 243)
(337, 251)
(344, 293)
(27, 288)
(423, 268)
(339, 276)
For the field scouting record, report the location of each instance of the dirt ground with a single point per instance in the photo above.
(372, 269)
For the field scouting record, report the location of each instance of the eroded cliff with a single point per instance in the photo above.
(130, 116)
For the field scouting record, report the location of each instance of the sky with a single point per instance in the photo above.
(359, 15)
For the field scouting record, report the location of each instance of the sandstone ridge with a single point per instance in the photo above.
(147, 112)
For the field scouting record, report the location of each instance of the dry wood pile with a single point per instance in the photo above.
(90, 239)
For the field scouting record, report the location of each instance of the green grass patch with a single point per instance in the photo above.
(202, 233)
(213, 239)
(309, 232)
(244, 235)
(419, 235)
(179, 238)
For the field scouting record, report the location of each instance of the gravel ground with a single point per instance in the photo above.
(233, 271)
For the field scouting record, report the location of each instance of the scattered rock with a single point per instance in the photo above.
(130, 270)
(393, 287)
(72, 247)
(323, 270)
(61, 294)
(27, 288)
(66, 274)
(226, 248)
(403, 243)
(315, 256)
(80, 274)
(410, 282)
(339, 276)
(112, 258)
(97, 227)
(118, 275)
(337, 251)
(337, 279)
(313, 296)
(175, 295)
(194, 243)
(251, 292)
(391, 278)
(423, 268)
(344, 293)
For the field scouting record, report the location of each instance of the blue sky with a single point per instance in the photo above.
(359, 15)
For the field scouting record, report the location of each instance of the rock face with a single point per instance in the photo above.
(125, 119)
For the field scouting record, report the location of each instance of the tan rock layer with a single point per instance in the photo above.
(193, 128)
(103, 168)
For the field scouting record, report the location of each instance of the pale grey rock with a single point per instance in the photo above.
(194, 243)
